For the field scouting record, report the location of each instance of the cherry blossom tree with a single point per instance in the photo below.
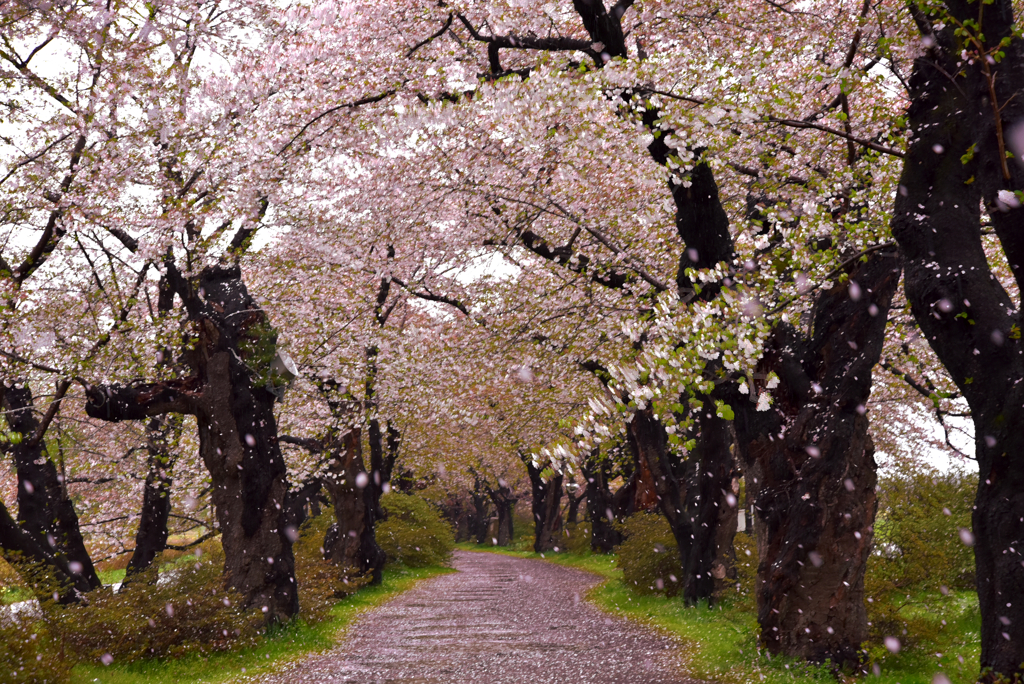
(961, 174)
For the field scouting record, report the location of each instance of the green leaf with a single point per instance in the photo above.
(969, 154)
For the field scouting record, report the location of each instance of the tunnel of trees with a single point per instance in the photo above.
(552, 266)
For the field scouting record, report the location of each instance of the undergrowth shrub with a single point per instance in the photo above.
(576, 537)
(649, 556)
(28, 653)
(320, 582)
(413, 532)
(186, 611)
(921, 551)
(12, 588)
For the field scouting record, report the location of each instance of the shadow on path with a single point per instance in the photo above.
(499, 619)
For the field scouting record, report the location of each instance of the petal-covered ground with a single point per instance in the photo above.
(501, 620)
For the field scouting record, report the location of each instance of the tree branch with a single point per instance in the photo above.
(117, 402)
(434, 36)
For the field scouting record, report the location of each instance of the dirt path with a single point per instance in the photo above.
(499, 619)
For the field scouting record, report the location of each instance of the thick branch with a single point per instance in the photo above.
(117, 402)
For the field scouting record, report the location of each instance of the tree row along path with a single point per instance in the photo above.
(498, 619)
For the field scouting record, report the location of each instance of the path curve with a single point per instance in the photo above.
(498, 619)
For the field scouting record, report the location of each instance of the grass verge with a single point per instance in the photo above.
(274, 653)
(720, 644)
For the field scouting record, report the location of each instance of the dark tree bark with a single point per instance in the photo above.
(645, 490)
(962, 117)
(723, 569)
(480, 516)
(505, 502)
(546, 504)
(45, 510)
(572, 512)
(151, 537)
(352, 541)
(810, 468)
(301, 503)
(229, 394)
(602, 508)
(688, 491)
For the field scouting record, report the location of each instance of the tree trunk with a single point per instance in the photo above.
(546, 503)
(45, 510)
(301, 503)
(644, 489)
(959, 163)
(505, 502)
(601, 506)
(352, 541)
(480, 515)
(572, 514)
(238, 444)
(151, 537)
(724, 567)
(810, 466)
(26, 555)
(688, 491)
(231, 398)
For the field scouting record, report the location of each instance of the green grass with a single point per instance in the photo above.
(10, 595)
(274, 653)
(720, 644)
(111, 576)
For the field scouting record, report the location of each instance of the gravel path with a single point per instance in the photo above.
(501, 620)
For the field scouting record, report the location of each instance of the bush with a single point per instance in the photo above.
(649, 557)
(923, 520)
(28, 653)
(576, 538)
(187, 611)
(320, 582)
(413, 532)
(918, 542)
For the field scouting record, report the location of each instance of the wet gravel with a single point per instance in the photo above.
(499, 619)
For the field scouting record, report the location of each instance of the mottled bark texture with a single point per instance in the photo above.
(809, 464)
(964, 118)
(723, 569)
(45, 510)
(351, 542)
(228, 392)
(546, 505)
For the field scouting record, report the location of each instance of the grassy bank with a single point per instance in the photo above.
(274, 653)
(721, 645)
